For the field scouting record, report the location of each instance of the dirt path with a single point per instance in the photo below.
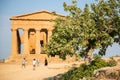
(16, 72)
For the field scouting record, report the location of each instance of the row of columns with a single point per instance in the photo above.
(26, 42)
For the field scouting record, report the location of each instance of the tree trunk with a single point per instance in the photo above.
(88, 57)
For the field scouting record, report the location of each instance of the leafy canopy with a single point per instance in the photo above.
(96, 27)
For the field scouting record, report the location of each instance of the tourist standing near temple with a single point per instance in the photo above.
(23, 63)
(46, 62)
(38, 62)
(34, 63)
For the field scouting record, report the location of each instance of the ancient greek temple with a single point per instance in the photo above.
(31, 32)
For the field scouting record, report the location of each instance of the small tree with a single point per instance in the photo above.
(87, 30)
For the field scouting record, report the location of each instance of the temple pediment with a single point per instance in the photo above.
(41, 15)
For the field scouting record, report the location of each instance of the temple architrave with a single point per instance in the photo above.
(31, 32)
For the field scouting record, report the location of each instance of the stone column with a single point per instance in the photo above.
(14, 42)
(38, 46)
(44, 39)
(49, 34)
(26, 44)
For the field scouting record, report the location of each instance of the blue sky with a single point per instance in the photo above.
(10, 8)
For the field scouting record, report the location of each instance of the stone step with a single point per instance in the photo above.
(29, 58)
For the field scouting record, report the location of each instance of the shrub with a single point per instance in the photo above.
(98, 62)
(87, 70)
(84, 70)
(68, 75)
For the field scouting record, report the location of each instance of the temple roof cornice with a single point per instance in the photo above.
(37, 16)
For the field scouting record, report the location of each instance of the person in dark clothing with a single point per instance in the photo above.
(46, 62)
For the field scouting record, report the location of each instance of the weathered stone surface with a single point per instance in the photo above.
(107, 73)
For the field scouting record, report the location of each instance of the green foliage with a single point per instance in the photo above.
(68, 75)
(77, 73)
(95, 27)
(86, 70)
(98, 62)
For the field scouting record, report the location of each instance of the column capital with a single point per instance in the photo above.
(50, 29)
(37, 29)
(25, 29)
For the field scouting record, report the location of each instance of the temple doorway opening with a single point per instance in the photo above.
(20, 34)
(43, 38)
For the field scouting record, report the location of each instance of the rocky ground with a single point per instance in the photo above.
(109, 73)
